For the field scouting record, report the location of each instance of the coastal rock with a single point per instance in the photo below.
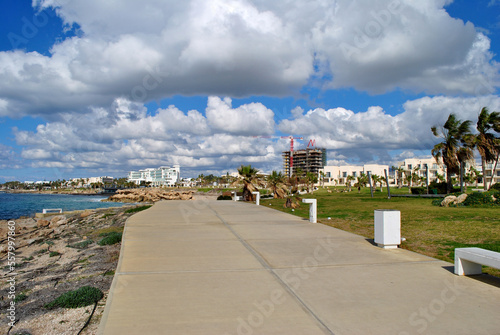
(58, 221)
(42, 223)
(150, 195)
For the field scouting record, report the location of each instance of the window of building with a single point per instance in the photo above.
(344, 174)
(410, 167)
(328, 175)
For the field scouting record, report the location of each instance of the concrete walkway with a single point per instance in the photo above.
(224, 268)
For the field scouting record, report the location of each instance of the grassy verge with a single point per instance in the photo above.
(429, 230)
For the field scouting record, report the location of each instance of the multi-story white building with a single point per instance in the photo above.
(337, 175)
(489, 173)
(162, 176)
(100, 180)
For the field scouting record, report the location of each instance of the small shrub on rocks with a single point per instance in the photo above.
(111, 238)
(224, 197)
(84, 296)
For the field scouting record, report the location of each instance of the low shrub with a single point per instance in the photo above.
(224, 197)
(54, 254)
(84, 296)
(437, 202)
(439, 187)
(80, 245)
(20, 297)
(111, 238)
(418, 190)
(479, 199)
(495, 187)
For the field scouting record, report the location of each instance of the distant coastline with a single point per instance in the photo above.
(64, 191)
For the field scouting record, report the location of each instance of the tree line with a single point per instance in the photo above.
(458, 144)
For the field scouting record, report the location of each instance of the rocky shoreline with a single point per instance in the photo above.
(54, 255)
(150, 195)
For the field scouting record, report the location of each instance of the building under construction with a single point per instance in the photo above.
(308, 160)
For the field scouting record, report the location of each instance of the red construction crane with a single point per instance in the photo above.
(291, 137)
(291, 149)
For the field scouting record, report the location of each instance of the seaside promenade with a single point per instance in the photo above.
(223, 268)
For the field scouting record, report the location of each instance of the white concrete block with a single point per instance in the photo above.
(387, 228)
(313, 211)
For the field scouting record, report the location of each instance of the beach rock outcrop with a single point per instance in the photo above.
(150, 195)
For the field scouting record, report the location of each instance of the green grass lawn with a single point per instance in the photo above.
(429, 230)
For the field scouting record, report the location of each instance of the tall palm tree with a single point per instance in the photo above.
(485, 140)
(250, 179)
(454, 149)
(276, 181)
(399, 175)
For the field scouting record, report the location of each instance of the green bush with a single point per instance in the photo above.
(137, 209)
(224, 197)
(81, 245)
(479, 199)
(111, 238)
(440, 187)
(495, 187)
(20, 297)
(418, 190)
(437, 202)
(84, 296)
(54, 254)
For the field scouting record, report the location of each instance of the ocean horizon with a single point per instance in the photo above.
(16, 205)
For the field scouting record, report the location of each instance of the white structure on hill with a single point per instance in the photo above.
(162, 176)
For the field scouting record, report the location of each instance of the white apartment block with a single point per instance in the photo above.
(489, 173)
(337, 175)
(162, 176)
(420, 166)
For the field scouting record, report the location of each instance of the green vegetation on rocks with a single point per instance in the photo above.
(84, 296)
(111, 238)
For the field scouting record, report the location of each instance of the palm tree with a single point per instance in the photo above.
(454, 149)
(485, 141)
(249, 180)
(399, 174)
(276, 181)
(349, 179)
(409, 178)
(311, 179)
(377, 179)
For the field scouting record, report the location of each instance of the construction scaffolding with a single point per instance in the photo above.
(308, 160)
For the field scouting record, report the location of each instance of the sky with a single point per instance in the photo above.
(93, 88)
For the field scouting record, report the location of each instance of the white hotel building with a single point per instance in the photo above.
(337, 175)
(162, 176)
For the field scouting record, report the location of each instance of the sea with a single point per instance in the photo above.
(15, 205)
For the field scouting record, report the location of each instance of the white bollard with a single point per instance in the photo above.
(312, 209)
(257, 198)
(234, 195)
(387, 228)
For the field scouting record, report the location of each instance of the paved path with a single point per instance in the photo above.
(224, 268)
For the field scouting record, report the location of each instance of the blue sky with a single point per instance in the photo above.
(87, 88)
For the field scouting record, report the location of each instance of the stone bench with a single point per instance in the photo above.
(468, 261)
